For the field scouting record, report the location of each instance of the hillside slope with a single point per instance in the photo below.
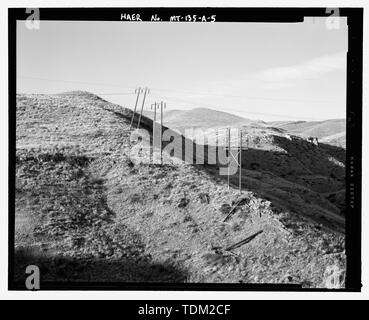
(331, 131)
(199, 118)
(299, 176)
(88, 210)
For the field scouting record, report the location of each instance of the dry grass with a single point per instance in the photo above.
(80, 198)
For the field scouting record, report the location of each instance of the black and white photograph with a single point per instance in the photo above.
(185, 148)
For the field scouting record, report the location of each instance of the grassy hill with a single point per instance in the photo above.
(199, 118)
(88, 208)
(331, 131)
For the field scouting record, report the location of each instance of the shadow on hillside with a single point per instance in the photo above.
(84, 205)
(304, 164)
(297, 148)
(300, 159)
(64, 269)
(334, 151)
(298, 180)
(294, 147)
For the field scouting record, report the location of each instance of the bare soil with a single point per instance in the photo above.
(86, 211)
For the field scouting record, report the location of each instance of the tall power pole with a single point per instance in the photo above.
(229, 152)
(137, 91)
(142, 106)
(154, 105)
(154, 126)
(216, 145)
(240, 160)
(236, 156)
(162, 107)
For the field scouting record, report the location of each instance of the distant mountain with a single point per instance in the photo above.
(330, 131)
(199, 118)
(168, 115)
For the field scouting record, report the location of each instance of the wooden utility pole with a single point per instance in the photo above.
(155, 105)
(162, 107)
(142, 107)
(216, 146)
(137, 91)
(237, 157)
(229, 152)
(240, 160)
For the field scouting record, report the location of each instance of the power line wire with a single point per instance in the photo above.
(184, 92)
(192, 102)
(73, 81)
(245, 97)
(115, 94)
(248, 112)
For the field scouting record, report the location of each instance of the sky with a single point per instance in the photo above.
(261, 71)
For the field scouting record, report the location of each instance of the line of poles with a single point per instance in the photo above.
(139, 91)
(162, 105)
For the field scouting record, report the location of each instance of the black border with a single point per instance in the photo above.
(354, 129)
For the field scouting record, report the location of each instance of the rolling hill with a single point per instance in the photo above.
(331, 131)
(199, 118)
(92, 206)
